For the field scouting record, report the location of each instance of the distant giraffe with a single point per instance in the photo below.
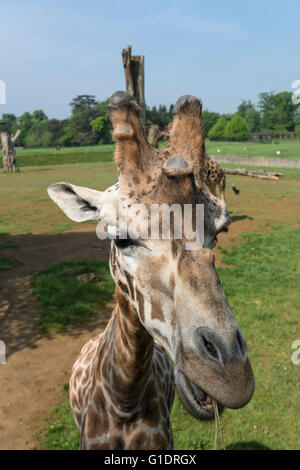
(169, 298)
(165, 133)
(214, 175)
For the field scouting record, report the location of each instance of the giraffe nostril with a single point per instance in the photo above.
(242, 345)
(210, 348)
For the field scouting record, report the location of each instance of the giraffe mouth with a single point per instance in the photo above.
(195, 399)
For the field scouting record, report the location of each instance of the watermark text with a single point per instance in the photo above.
(2, 352)
(296, 354)
(2, 92)
(296, 93)
(157, 221)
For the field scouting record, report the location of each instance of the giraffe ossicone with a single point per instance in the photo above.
(168, 299)
(213, 174)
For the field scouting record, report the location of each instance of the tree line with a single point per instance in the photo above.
(89, 122)
(274, 114)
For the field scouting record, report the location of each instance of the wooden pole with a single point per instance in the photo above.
(135, 78)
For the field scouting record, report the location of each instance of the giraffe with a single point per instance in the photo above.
(165, 133)
(214, 175)
(170, 305)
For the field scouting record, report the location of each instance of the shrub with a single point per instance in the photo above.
(236, 129)
(209, 119)
(217, 131)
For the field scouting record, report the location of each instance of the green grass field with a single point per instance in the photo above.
(104, 153)
(287, 149)
(259, 271)
(31, 210)
(71, 292)
(66, 155)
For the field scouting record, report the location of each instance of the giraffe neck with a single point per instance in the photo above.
(125, 358)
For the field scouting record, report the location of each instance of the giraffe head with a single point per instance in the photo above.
(174, 290)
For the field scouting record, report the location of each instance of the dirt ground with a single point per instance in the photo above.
(37, 364)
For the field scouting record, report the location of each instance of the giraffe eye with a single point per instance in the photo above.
(125, 242)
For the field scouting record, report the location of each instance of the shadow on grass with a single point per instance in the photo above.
(20, 312)
(34, 170)
(235, 218)
(250, 445)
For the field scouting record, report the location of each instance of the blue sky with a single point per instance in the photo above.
(221, 51)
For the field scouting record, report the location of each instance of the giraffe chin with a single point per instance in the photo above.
(194, 399)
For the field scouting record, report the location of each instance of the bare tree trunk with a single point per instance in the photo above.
(134, 76)
(267, 175)
(9, 152)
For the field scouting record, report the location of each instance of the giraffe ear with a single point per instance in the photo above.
(78, 203)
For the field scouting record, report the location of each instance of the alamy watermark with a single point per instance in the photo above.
(2, 92)
(155, 222)
(296, 354)
(2, 352)
(296, 93)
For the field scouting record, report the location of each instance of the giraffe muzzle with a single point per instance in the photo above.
(214, 370)
(195, 399)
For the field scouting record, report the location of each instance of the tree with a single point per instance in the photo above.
(11, 119)
(39, 115)
(244, 107)
(70, 133)
(248, 112)
(56, 128)
(24, 123)
(236, 129)
(277, 111)
(252, 119)
(5, 125)
(35, 130)
(78, 130)
(82, 103)
(217, 131)
(209, 120)
(160, 117)
(101, 124)
(297, 123)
